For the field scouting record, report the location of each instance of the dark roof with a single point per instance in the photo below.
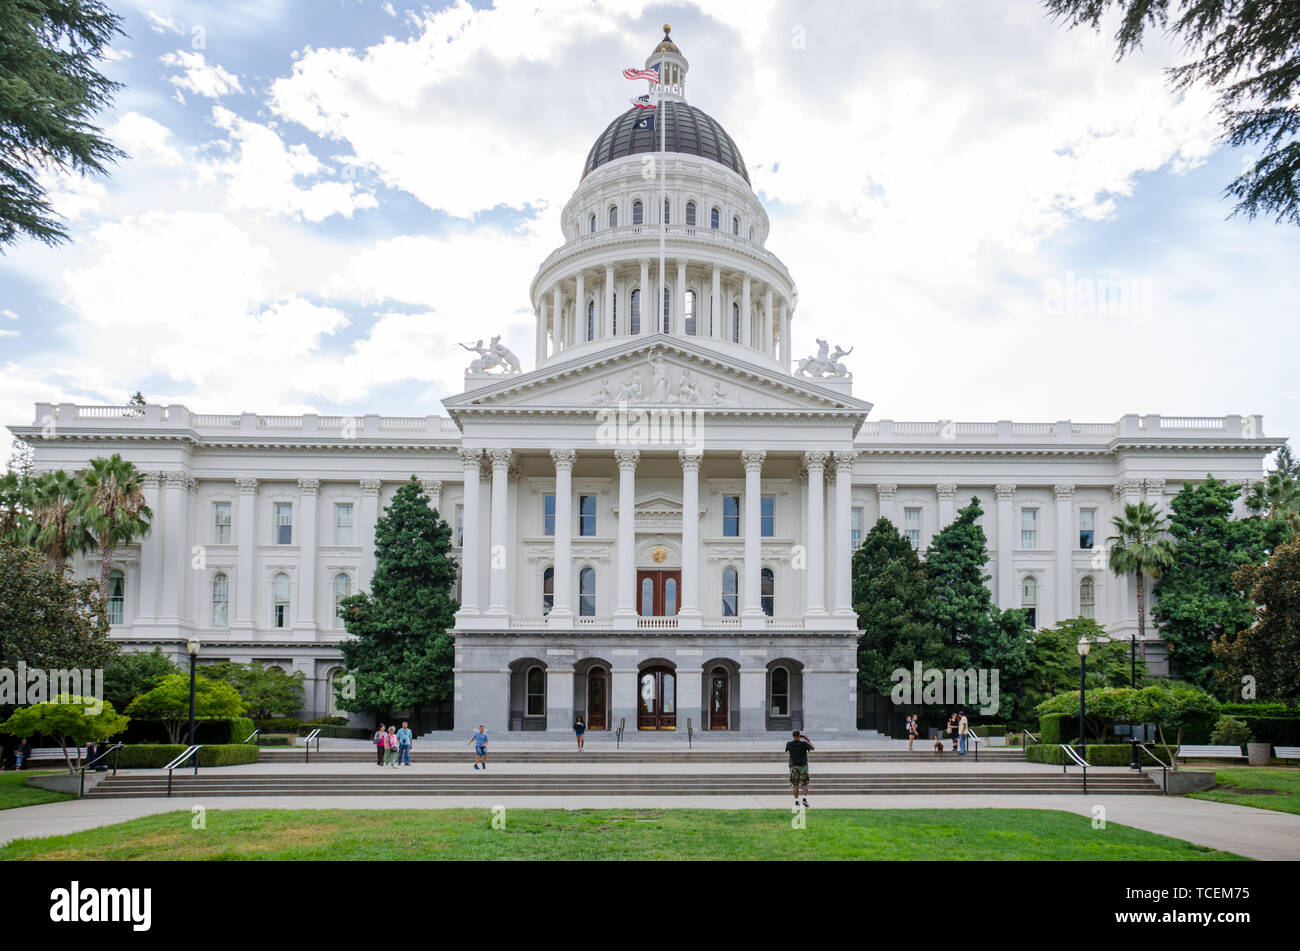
(687, 130)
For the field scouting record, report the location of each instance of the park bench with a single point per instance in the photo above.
(1210, 752)
(1286, 752)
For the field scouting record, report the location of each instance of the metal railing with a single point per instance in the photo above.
(313, 735)
(1078, 761)
(1164, 768)
(252, 736)
(971, 734)
(175, 764)
(690, 734)
(618, 734)
(115, 749)
(1026, 736)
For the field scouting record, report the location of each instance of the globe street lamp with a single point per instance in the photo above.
(192, 645)
(1084, 647)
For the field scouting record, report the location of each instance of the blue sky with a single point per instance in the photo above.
(324, 197)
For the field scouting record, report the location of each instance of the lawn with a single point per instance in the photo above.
(13, 793)
(336, 834)
(1261, 787)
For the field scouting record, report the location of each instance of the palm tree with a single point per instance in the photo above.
(15, 507)
(1140, 547)
(60, 527)
(116, 509)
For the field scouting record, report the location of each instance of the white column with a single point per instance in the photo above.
(715, 303)
(753, 697)
(842, 573)
(308, 491)
(469, 561)
(369, 516)
(557, 318)
(767, 346)
(1064, 496)
(625, 613)
(815, 596)
(646, 293)
(246, 539)
(150, 563)
(608, 316)
(562, 606)
(786, 353)
(540, 343)
(679, 319)
(498, 555)
(746, 337)
(176, 554)
(752, 459)
(580, 309)
(546, 326)
(1006, 494)
(690, 460)
(885, 496)
(559, 696)
(946, 491)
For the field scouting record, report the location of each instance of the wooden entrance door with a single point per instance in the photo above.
(657, 699)
(719, 682)
(597, 699)
(659, 593)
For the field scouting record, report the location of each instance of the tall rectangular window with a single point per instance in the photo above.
(284, 523)
(912, 526)
(343, 523)
(855, 528)
(768, 516)
(1087, 528)
(731, 516)
(460, 526)
(221, 523)
(586, 515)
(548, 514)
(1029, 529)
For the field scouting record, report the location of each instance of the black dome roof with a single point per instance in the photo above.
(687, 129)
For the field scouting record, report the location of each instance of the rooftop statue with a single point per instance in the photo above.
(825, 363)
(495, 355)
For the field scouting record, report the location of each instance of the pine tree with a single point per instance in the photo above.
(1267, 650)
(400, 653)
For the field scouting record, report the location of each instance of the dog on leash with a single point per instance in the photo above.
(938, 746)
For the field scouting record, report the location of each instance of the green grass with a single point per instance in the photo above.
(1261, 787)
(335, 834)
(13, 793)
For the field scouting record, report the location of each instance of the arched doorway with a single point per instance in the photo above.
(657, 699)
(597, 699)
(719, 698)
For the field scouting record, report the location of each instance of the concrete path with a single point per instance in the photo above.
(1255, 833)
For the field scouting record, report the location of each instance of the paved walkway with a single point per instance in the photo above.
(1256, 833)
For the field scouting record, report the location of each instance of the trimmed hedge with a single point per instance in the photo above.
(275, 739)
(338, 732)
(279, 725)
(327, 721)
(1260, 709)
(214, 731)
(1058, 727)
(156, 756)
(990, 729)
(1100, 754)
(1280, 731)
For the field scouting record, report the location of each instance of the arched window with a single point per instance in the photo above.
(691, 328)
(647, 597)
(715, 219)
(670, 597)
(1029, 599)
(332, 682)
(635, 327)
(751, 232)
(637, 213)
(591, 320)
(1087, 598)
(587, 592)
(690, 214)
(668, 311)
(667, 213)
(535, 687)
(613, 216)
(280, 598)
(548, 590)
(342, 589)
(116, 597)
(778, 703)
(768, 577)
(220, 601)
(735, 227)
(730, 592)
(592, 229)
(735, 323)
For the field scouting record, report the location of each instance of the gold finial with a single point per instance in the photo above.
(668, 28)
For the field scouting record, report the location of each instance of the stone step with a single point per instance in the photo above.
(644, 756)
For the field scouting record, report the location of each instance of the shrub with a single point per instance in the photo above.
(1280, 731)
(1058, 727)
(278, 724)
(345, 732)
(1260, 709)
(158, 755)
(275, 739)
(327, 721)
(1098, 754)
(1229, 731)
(990, 729)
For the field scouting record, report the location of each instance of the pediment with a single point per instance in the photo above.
(656, 372)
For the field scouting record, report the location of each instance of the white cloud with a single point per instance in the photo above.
(161, 23)
(8, 314)
(144, 139)
(198, 77)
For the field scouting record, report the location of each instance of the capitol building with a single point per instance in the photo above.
(654, 523)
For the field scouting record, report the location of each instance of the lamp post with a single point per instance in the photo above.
(1084, 647)
(192, 645)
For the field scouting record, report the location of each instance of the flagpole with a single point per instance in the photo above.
(663, 193)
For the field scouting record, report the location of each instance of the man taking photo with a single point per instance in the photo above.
(799, 748)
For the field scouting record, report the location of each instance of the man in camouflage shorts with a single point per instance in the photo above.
(799, 748)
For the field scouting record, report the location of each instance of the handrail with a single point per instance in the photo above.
(1079, 761)
(253, 735)
(976, 737)
(690, 734)
(176, 763)
(116, 749)
(1024, 745)
(313, 735)
(1164, 768)
(618, 734)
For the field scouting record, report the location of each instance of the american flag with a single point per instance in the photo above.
(651, 74)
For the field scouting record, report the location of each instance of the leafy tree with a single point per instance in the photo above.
(1139, 547)
(66, 720)
(1103, 706)
(1172, 705)
(133, 673)
(1278, 496)
(1267, 648)
(15, 507)
(47, 619)
(1054, 661)
(268, 691)
(400, 652)
(116, 509)
(169, 702)
(1246, 52)
(961, 604)
(51, 89)
(1197, 598)
(890, 595)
